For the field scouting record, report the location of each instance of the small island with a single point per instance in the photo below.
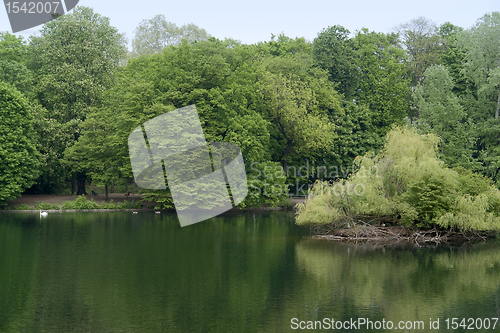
(404, 193)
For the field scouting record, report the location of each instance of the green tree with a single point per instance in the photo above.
(383, 86)
(210, 74)
(52, 139)
(441, 113)
(13, 48)
(334, 52)
(74, 60)
(233, 93)
(13, 59)
(356, 135)
(153, 35)
(482, 63)
(284, 46)
(19, 160)
(453, 56)
(300, 127)
(99, 152)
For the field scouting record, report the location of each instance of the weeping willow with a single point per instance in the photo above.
(406, 184)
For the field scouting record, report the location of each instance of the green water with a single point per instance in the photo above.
(241, 272)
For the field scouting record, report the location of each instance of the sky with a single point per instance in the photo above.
(254, 21)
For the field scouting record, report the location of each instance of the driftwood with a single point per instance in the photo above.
(361, 231)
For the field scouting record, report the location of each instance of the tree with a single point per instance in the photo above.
(421, 41)
(74, 60)
(52, 138)
(441, 113)
(19, 160)
(97, 152)
(152, 36)
(13, 48)
(284, 46)
(356, 135)
(383, 87)
(482, 61)
(300, 127)
(229, 84)
(13, 58)
(210, 74)
(453, 57)
(333, 51)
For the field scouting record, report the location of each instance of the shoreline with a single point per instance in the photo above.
(31, 200)
(234, 209)
(396, 235)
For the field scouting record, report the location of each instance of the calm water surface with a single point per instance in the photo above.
(240, 272)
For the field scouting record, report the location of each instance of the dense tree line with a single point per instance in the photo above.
(288, 102)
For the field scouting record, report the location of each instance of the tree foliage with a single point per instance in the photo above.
(238, 101)
(383, 87)
(441, 113)
(300, 126)
(74, 61)
(153, 35)
(333, 51)
(482, 62)
(19, 159)
(286, 101)
(13, 59)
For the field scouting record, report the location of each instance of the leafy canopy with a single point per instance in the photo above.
(19, 159)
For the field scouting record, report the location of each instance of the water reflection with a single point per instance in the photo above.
(411, 284)
(240, 272)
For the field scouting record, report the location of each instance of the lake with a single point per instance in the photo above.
(239, 272)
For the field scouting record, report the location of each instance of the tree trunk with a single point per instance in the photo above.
(80, 184)
(73, 183)
(498, 107)
(106, 192)
(112, 187)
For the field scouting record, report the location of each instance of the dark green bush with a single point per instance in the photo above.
(80, 202)
(266, 185)
(430, 196)
(22, 207)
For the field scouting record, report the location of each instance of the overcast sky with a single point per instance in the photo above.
(254, 21)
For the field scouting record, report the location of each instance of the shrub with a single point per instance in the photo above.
(110, 205)
(22, 207)
(80, 202)
(46, 206)
(266, 185)
(129, 205)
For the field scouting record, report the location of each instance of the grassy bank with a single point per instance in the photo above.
(71, 202)
(116, 201)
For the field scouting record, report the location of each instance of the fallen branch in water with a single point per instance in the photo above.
(362, 231)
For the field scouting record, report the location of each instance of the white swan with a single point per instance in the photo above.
(43, 214)
(134, 212)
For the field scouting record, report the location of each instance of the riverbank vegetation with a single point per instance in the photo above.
(406, 184)
(81, 203)
(290, 104)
